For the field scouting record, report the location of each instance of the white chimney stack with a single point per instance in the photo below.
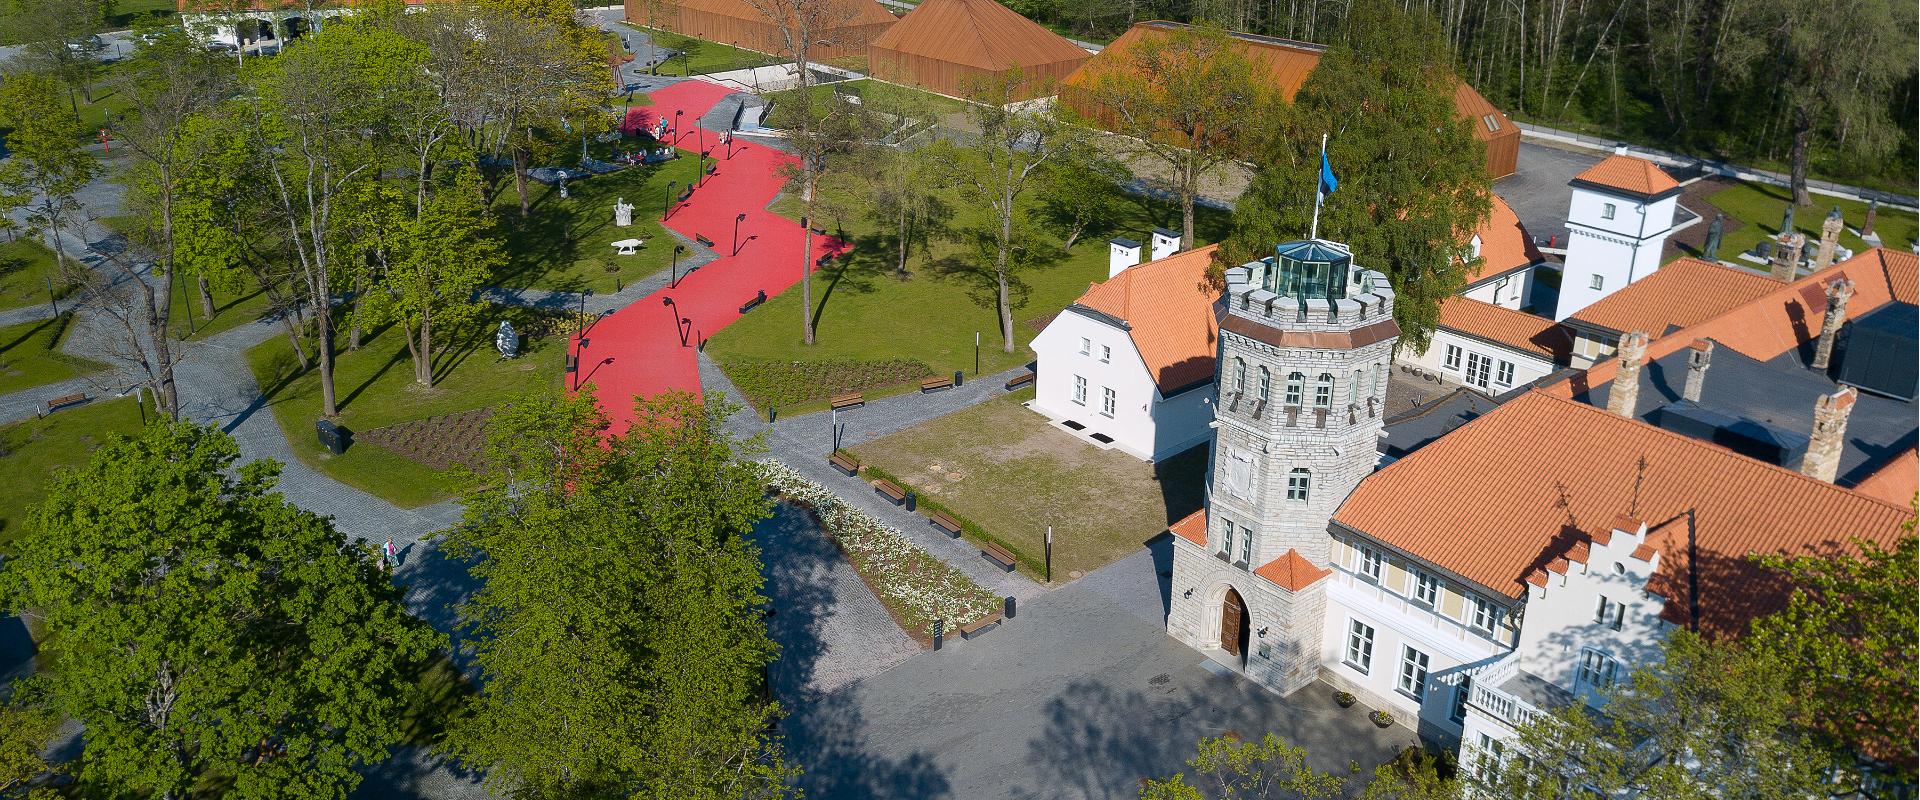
(1121, 254)
(1165, 243)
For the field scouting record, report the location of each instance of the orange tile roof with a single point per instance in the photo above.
(1168, 308)
(1896, 481)
(1504, 243)
(1504, 326)
(1682, 293)
(1628, 174)
(1292, 571)
(1902, 268)
(1192, 527)
(1513, 491)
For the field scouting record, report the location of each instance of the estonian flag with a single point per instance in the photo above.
(1328, 183)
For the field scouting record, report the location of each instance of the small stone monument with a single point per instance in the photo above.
(1829, 238)
(1711, 251)
(563, 184)
(1786, 218)
(1873, 212)
(507, 340)
(622, 213)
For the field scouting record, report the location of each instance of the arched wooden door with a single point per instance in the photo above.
(1233, 624)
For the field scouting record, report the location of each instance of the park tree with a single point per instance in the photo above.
(209, 632)
(1836, 64)
(1083, 192)
(1225, 768)
(445, 253)
(617, 626)
(46, 28)
(1189, 101)
(25, 732)
(47, 162)
(536, 72)
(998, 171)
(1413, 183)
(822, 128)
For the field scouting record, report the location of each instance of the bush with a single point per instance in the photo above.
(780, 382)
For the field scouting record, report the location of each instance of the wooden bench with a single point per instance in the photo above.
(1017, 381)
(754, 302)
(934, 383)
(703, 240)
(67, 401)
(981, 625)
(848, 400)
(841, 461)
(944, 522)
(1000, 556)
(891, 490)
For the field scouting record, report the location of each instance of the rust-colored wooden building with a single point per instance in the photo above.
(854, 25)
(1290, 62)
(953, 46)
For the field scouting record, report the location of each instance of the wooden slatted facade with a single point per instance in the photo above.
(953, 47)
(736, 22)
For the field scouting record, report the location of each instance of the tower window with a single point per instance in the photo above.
(1323, 391)
(1607, 210)
(1353, 389)
(1226, 536)
(1246, 545)
(1298, 483)
(1296, 388)
(1239, 374)
(1266, 383)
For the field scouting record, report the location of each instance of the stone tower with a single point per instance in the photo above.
(1306, 342)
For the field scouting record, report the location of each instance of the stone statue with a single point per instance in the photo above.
(506, 340)
(1712, 251)
(1786, 219)
(1873, 210)
(622, 213)
(563, 184)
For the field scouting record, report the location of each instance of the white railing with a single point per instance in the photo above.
(1497, 703)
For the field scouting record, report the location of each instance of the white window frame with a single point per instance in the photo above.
(1492, 752)
(1106, 354)
(1323, 391)
(1239, 375)
(1609, 613)
(1412, 680)
(1426, 588)
(1479, 369)
(1226, 536)
(1299, 484)
(1453, 357)
(1486, 615)
(1607, 210)
(1360, 647)
(1370, 562)
(1296, 389)
(1080, 389)
(1596, 282)
(1086, 346)
(1109, 402)
(1503, 373)
(1597, 671)
(1246, 545)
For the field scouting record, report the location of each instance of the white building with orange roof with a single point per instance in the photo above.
(1617, 223)
(1130, 364)
(1503, 276)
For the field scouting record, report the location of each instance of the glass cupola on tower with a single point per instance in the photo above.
(1309, 270)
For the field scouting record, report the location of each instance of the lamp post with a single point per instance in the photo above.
(703, 139)
(666, 205)
(700, 177)
(737, 219)
(679, 322)
(728, 138)
(676, 125)
(677, 250)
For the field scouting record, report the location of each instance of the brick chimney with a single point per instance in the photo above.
(1838, 293)
(1786, 256)
(1829, 239)
(1829, 434)
(1623, 397)
(1699, 357)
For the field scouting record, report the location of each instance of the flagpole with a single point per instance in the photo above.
(1319, 188)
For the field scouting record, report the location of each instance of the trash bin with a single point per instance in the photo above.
(939, 632)
(959, 379)
(332, 436)
(1010, 608)
(913, 501)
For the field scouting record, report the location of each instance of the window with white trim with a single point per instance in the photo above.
(1299, 483)
(1266, 384)
(1503, 375)
(1296, 388)
(1246, 545)
(1107, 400)
(1460, 695)
(1086, 345)
(1453, 356)
(1106, 354)
(1226, 537)
(1369, 562)
(1239, 375)
(1596, 282)
(1492, 752)
(1360, 646)
(1607, 210)
(1609, 613)
(1323, 391)
(1413, 672)
(1353, 389)
(1080, 389)
(1479, 367)
(1597, 669)
(1426, 588)
(1485, 614)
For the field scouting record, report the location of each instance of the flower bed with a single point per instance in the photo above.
(915, 587)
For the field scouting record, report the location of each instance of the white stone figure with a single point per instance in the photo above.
(622, 213)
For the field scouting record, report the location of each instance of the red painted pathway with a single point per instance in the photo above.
(637, 350)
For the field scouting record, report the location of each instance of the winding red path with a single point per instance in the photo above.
(637, 351)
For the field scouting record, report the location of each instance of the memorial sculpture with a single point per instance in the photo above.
(1711, 252)
(507, 340)
(622, 213)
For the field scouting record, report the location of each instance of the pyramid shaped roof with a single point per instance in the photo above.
(977, 33)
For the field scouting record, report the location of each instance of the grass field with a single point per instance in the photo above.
(1760, 206)
(699, 56)
(375, 387)
(1008, 474)
(867, 315)
(30, 355)
(232, 307)
(566, 244)
(31, 450)
(26, 270)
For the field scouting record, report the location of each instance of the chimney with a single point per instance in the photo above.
(1121, 254)
(1829, 238)
(1838, 293)
(1822, 461)
(1699, 357)
(1786, 256)
(1624, 395)
(1873, 211)
(1165, 243)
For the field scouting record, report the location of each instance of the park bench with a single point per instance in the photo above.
(703, 240)
(891, 490)
(843, 462)
(846, 401)
(66, 401)
(1000, 556)
(934, 383)
(758, 298)
(981, 625)
(944, 522)
(1019, 380)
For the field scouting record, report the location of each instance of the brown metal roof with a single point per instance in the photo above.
(977, 33)
(843, 14)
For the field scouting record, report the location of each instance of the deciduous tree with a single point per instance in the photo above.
(1836, 65)
(1082, 193)
(1274, 769)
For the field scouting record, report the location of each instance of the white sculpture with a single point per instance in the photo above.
(622, 213)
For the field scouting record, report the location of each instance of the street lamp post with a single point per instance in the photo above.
(679, 322)
(703, 140)
(737, 219)
(677, 250)
(700, 178)
(676, 125)
(666, 206)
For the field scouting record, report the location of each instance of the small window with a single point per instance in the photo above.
(1607, 210)
(1080, 389)
(1596, 282)
(1379, 383)
(1492, 121)
(1323, 391)
(1246, 545)
(1453, 357)
(1106, 354)
(1596, 669)
(1485, 614)
(1460, 695)
(1266, 383)
(1413, 672)
(1369, 562)
(1492, 752)
(1296, 388)
(1360, 646)
(1504, 375)
(1353, 389)
(1610, 613)
(1239, 374)
(1107, 403)
(1086, 346)
(1426, 588)
(1226, 537)
(1298, 483)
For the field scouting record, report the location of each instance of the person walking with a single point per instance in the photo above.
(393, 553)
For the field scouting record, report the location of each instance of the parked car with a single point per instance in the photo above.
(222, 47)
(88, 44)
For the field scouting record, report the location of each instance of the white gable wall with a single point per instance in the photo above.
(1511, 290)
(1110, 362)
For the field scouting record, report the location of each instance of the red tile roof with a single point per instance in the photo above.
(1682, 293)
(1896, 481)
(1292, 571)
(1628, 174)
(1504, 243)
(1902, 269)
(1192, 527)
(1515, 490)
(1168, 307)
(1504, 326)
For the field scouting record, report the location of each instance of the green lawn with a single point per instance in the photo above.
(699, 56)
(1007, 474)
(1760, 206)
(878, 91)
(232, 307)
(868, 316)
(567, 245)
(30, 355)
(26, 270)
(375, 388)
(31, 450)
